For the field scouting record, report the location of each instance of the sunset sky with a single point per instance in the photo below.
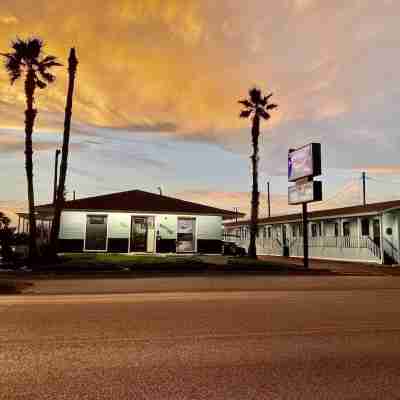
(157, 90)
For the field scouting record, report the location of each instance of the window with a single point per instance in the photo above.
(336, 229)
(365, 227)
(294, 231)
(96, 219)
(269, 232)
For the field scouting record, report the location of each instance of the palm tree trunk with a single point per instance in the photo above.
(255, 133)
(72, 65)
(30, 115)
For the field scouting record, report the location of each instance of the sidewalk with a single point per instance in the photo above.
(339, 267)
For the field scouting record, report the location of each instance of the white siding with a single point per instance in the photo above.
(167, 226)
(209, 227)
(119, 225)
(73, 225)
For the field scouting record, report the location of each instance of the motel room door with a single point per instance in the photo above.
(96, 233)
(186, 236)
(139, 232)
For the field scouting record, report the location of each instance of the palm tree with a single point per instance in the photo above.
(257, 107)
(61, 190)
(27, 60)
(6, 234)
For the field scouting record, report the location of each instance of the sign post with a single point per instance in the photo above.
(304, 164)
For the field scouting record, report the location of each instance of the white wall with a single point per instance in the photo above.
(209, 227)
(73, 225)
(119, 225)
(167, 225)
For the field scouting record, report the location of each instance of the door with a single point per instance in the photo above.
(376, 232)
(285, 246)
(96, 233)
(186, 239)
(139, 232)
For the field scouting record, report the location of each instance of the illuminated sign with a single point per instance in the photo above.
(305, 192)
(304, 162)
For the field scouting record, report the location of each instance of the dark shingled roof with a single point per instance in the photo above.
(333, 212)
(138, 200)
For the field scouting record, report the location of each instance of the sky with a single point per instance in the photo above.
(157, 88)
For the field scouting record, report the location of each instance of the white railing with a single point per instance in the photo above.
(338, 242)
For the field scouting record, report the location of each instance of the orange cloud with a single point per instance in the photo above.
(186, 63)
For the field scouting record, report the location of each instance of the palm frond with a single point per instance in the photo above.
(255, 95)
(13, 66)
(20, 46)
(271, 106)
(47, 76)
(40, 84)
(266, 98)
(48, 59)
(34, 48)
(262, 113)
(27, 55)
(246, 103)
(245, 113)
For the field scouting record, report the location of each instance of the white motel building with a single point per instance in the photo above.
(369, 233)
(134, 222)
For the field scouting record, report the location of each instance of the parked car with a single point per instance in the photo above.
(232, 249)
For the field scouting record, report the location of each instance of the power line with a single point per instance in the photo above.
(386, 181)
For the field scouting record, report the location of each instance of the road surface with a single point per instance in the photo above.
(280, 344)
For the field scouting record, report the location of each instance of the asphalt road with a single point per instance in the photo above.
(280, 344)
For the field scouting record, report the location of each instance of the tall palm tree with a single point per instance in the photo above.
(27, 60)
(256, 107)
(60, 197)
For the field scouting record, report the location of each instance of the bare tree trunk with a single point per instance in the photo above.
(30, 115)
(255, 194)
(72, 65)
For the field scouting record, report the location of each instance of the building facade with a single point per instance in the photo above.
(368, 233)
(134, 222)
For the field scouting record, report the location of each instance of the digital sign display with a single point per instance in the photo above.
(304, 162)
(305, 192)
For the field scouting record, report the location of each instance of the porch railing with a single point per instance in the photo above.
(391, 250)
(341, 242)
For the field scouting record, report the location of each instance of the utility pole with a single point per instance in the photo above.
(364, 176)
(73, 194)
(269, 200)
(58, 151)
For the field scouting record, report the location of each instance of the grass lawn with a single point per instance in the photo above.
(103, 262)
(104, 265)
(115, 262)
